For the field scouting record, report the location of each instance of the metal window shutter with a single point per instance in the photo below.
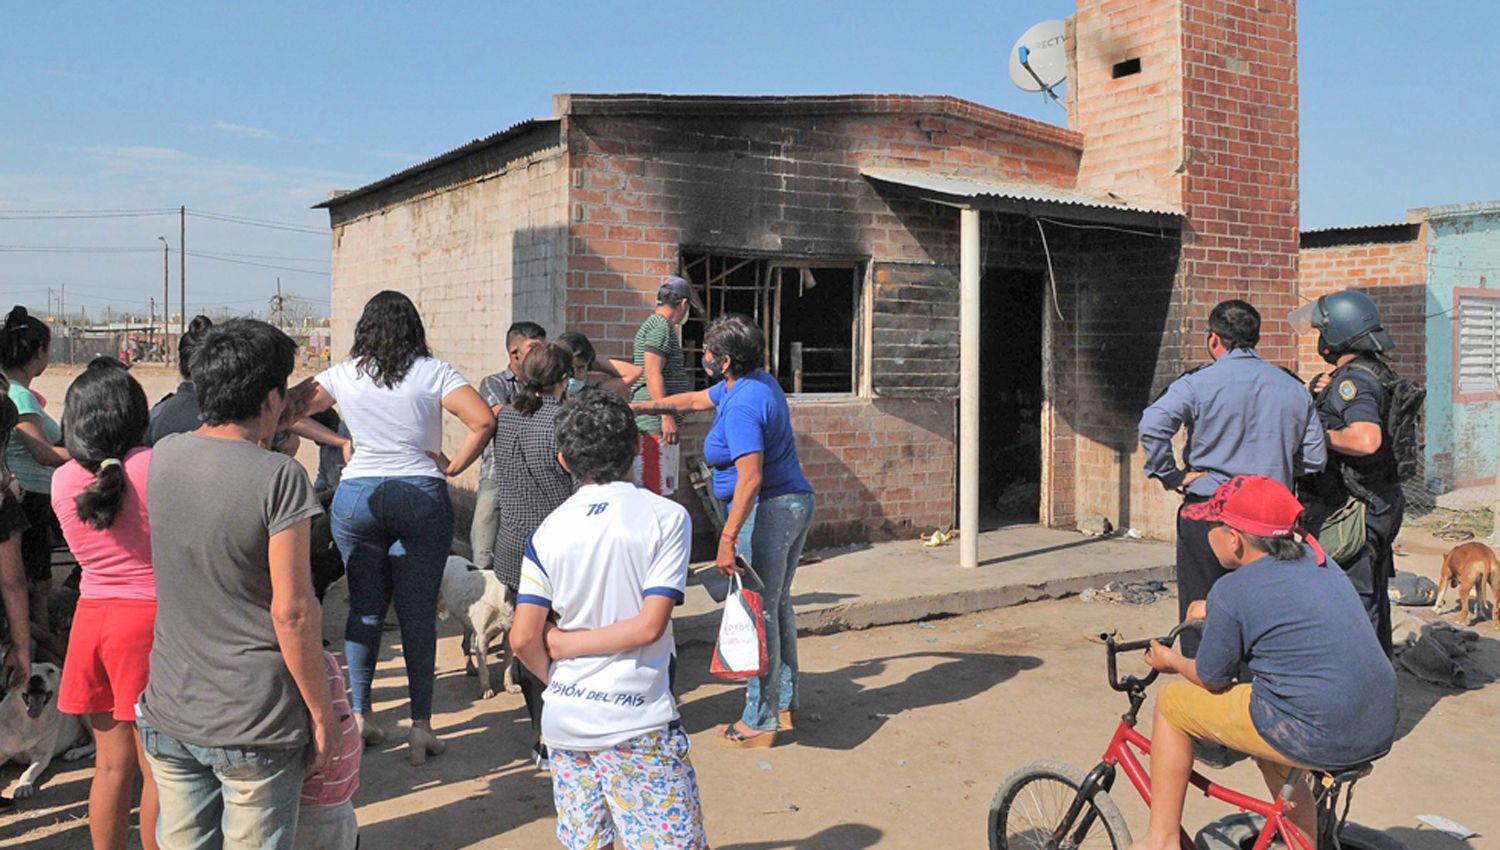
(1478, 345)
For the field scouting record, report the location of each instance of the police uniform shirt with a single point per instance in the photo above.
(1354, 395)
(1244, 416)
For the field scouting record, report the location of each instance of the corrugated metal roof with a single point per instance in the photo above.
(959, 188)
(1353, 227)
(492, 139)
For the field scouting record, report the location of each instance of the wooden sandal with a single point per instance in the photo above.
(734, 738)
(787, 720)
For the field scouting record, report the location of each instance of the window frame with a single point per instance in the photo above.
(770, 262)
(1491, 297)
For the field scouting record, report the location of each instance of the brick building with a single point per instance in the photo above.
(1436, 278)
(901, 251)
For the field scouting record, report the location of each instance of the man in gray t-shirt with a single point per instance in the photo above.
(498, 390)
(238, 693)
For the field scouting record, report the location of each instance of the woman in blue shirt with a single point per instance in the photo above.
(753, 453)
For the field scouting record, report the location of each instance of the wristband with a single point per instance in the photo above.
(730, 537)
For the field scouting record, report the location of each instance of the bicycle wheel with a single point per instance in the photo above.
(1033, 801)
(1239, 832)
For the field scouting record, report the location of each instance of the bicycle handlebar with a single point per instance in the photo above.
(1113, 648)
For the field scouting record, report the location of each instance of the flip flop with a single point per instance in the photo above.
(733, 738)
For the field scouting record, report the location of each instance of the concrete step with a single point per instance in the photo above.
(902, 582)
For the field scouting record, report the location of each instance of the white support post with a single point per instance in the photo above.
(968, 389)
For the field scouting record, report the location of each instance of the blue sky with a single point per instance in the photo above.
(259, 109)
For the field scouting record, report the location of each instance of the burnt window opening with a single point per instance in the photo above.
(807, 310)
(1126, 68)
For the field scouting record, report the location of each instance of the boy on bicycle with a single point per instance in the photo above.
(1323, 694)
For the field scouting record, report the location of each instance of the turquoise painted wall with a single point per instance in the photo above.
(1463, 252)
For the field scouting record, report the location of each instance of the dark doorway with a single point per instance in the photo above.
(1010, 396)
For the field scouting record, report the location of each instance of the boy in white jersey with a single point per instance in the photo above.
(594, 622)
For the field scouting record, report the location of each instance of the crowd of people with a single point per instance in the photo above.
(196, 650)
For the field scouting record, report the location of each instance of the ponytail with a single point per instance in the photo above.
(100, 502)
(105, 416)
(546, 366)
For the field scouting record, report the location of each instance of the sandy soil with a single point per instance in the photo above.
(909, 731)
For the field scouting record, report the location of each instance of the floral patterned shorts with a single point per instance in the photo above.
(643, 792)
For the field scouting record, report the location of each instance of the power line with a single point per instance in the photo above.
(253, 222)
(39, 215)
(212, 256)
(73, 249)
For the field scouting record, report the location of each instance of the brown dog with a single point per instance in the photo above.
(1470, 567)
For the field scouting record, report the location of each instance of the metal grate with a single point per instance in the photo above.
(1478, 344)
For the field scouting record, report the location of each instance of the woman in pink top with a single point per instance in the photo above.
(100, 500)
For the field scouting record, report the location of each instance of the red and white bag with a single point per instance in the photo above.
(740, 652)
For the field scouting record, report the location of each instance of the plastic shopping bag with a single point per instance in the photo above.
(740, 652)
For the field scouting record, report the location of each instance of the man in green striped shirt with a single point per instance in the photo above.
(658, 353)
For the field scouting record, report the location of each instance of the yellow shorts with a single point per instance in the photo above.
(1223, 718)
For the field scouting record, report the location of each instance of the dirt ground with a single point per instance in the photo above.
(908, 730)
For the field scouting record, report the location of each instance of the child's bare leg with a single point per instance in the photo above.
(1171, 764)
(1301, 811)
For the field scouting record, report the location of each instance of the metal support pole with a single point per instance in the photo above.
(968, 389)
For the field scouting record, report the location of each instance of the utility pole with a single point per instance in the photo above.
(182, 270)
(166, 291)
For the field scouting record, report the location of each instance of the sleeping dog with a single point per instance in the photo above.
(484, 606)
(33, 731)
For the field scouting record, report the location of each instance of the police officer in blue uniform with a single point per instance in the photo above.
(1353, 401)
(1244, 416)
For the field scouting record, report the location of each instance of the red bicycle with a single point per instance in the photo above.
(1053, 805)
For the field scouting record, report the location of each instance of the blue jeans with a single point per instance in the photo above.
(394, 534)
(772, 542)
(236, 798)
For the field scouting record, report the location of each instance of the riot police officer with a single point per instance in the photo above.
(1244, 416)
(1354, 402)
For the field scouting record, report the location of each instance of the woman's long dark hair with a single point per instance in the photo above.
(22, 337)
(389, 338)
(189, 342)
(105, 416)
(548, 365)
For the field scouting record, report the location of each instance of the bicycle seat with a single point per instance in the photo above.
(1349, 774)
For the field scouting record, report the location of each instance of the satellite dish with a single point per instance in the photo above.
(1039, 61)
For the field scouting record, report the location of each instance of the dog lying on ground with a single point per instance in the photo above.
(484, 606)
(33, 731)
(1470, 567)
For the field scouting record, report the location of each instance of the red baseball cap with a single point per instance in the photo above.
(1253, 504)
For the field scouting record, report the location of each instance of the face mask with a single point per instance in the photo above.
(713, 369)
(575, 386)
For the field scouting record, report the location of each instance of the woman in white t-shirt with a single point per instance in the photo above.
(392, 519)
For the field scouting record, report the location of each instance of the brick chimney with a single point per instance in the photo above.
(1193, 103)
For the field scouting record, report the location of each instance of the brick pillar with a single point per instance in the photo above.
(1208, 123)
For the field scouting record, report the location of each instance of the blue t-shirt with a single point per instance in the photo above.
(753, 417)
(1324, 693)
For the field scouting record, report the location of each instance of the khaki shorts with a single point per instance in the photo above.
(1223, 718)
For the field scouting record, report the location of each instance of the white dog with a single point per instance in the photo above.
(484, 606)
(33, 731)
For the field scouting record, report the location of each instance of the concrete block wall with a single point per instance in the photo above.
(473, 256)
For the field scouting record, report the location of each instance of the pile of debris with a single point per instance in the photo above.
(1129, 592)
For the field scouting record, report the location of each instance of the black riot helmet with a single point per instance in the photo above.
(1345, 321)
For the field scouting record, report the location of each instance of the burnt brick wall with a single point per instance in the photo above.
(788, 184)
(1209, 124)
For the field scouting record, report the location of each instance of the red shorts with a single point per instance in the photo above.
(109, 657)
